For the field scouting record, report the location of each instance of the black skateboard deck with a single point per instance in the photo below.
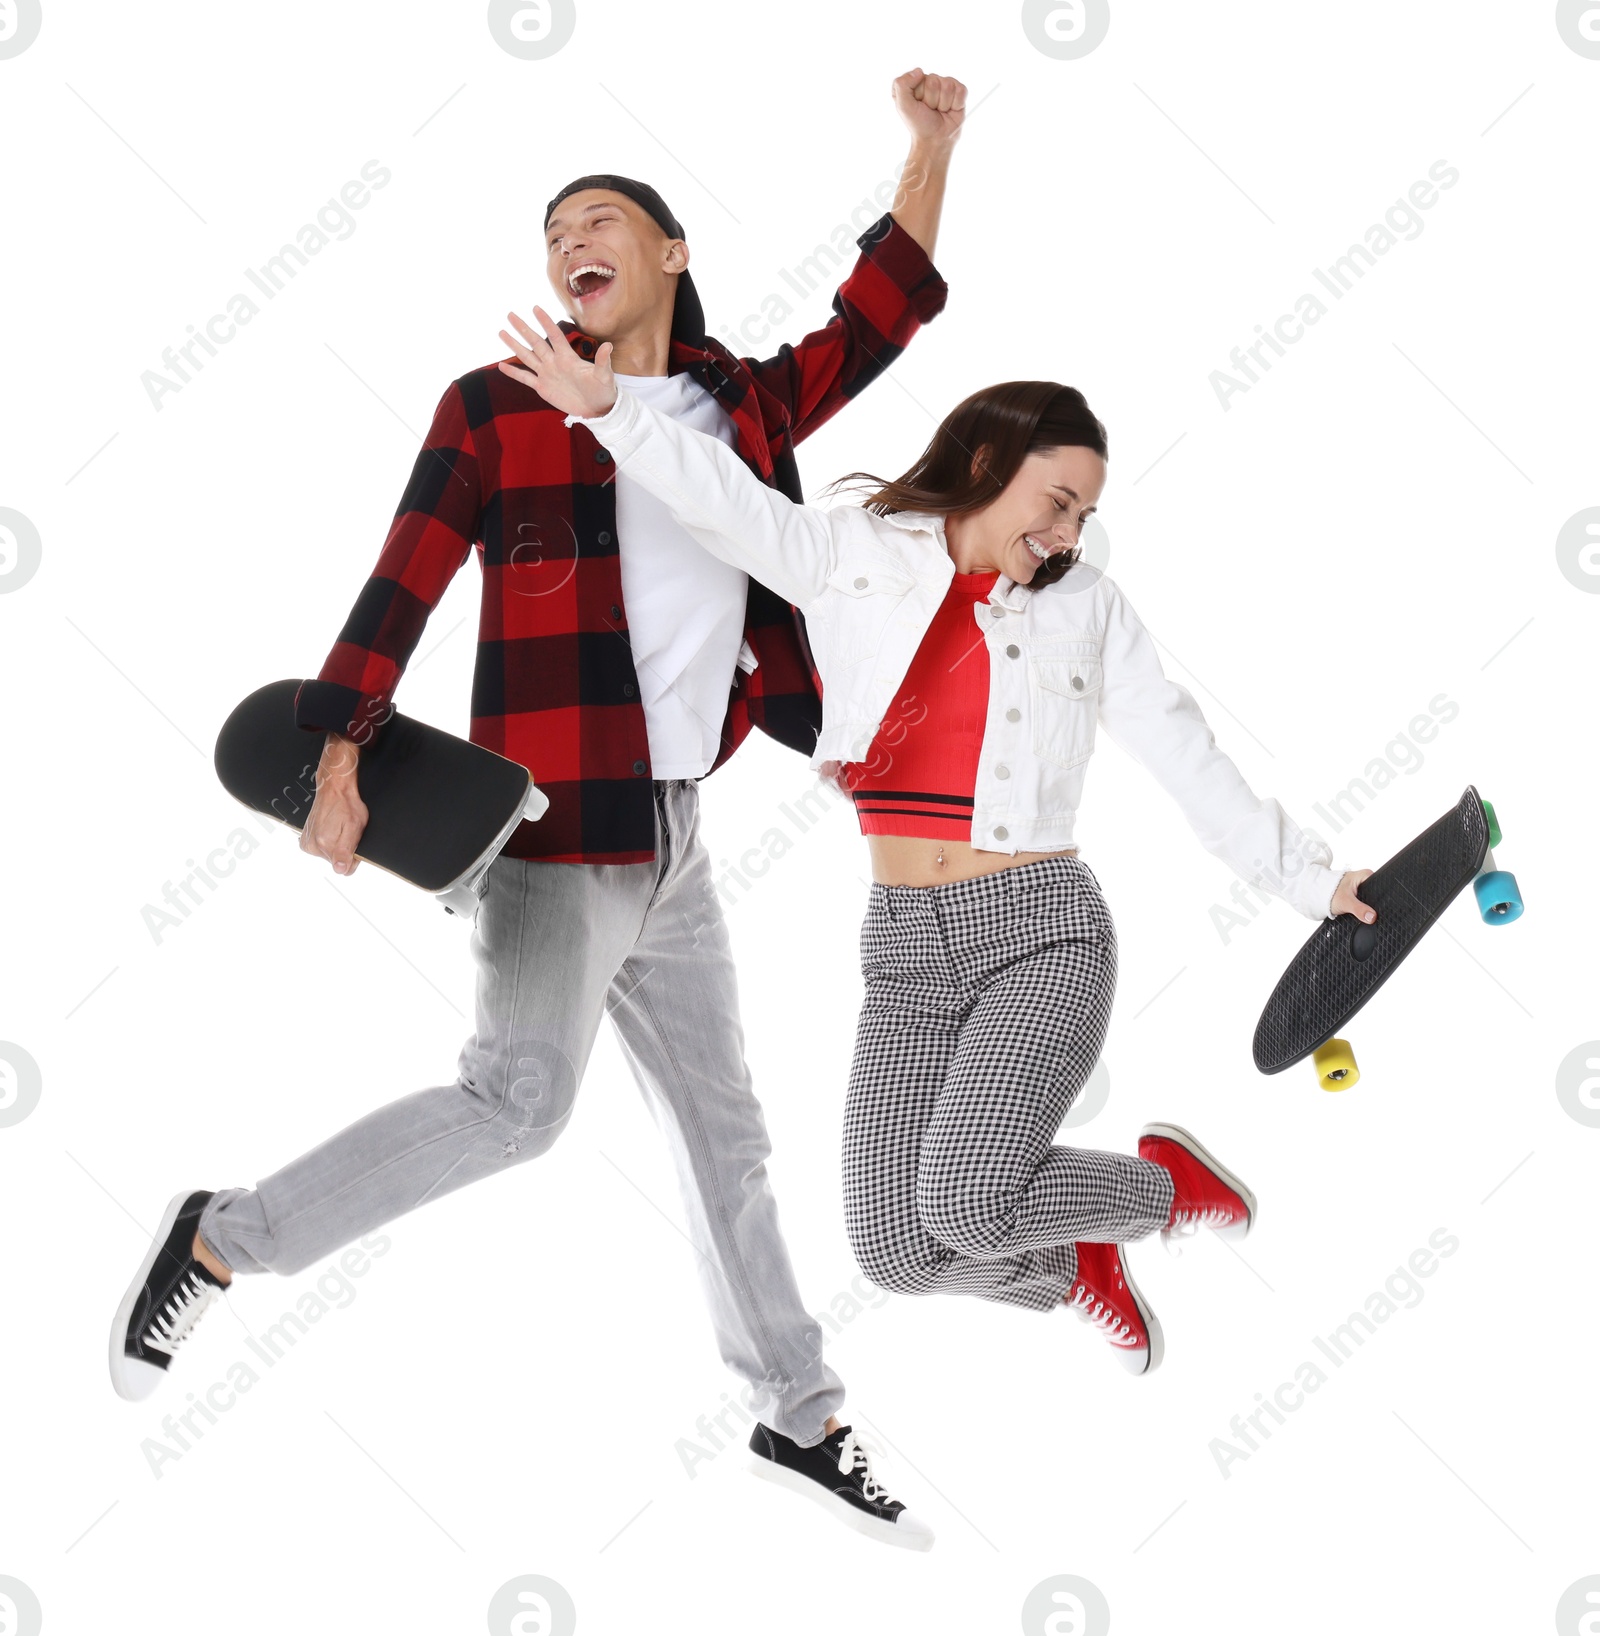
(439, 808)
(1345, 961)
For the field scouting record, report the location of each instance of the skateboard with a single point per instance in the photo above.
(439, 808)
(1345, 961)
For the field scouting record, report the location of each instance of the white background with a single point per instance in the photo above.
(1372, 525)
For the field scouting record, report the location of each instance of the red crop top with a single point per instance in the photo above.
(920, 773)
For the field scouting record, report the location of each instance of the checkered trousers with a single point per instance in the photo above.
(986, 1005)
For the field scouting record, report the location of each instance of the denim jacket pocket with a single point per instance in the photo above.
(1064, 690)
(860, 599)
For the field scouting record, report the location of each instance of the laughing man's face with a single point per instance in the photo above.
(611, 266)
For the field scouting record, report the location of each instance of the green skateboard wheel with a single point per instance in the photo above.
(1493, 822)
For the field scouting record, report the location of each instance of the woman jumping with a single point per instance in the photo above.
(967, 654)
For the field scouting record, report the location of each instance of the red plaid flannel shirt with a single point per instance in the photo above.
(554, 685)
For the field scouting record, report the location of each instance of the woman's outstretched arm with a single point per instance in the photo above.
(701, 481)
(1160, 725)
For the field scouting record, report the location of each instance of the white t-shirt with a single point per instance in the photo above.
(685, 608)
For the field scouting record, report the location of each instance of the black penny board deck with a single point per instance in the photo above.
(1345, 961)
(436, 804)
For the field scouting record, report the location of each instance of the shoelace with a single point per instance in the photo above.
(173, 1325)
(854, 1455)
(1093, 1310)
(1187, 1222)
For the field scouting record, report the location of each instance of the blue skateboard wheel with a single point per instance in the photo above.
(1499, 900)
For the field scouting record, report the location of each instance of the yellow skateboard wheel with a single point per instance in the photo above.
(1336, 1067)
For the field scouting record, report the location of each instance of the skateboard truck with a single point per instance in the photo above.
(460, 897)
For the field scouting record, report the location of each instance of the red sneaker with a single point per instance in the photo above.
(1105, 1296)
(1205, 1193)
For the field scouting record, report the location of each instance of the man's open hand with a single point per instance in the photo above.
(553, 368)
(932, 105)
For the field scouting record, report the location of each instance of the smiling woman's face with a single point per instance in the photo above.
(1039, 512)
(611, 266)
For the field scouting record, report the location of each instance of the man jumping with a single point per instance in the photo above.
(620, 663)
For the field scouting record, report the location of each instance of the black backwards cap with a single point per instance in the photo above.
(688, 318)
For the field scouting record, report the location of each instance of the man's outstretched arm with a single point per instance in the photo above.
(934, 106)
(894, 288)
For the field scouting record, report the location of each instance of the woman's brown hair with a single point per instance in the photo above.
(1010, 421)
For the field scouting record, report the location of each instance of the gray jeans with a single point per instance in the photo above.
(555, 944)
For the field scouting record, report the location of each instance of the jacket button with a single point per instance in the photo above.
(1013, 714)
(602, 457)
(605, 538)
(861, 584)
(1077, 684)
(1001, 832)
(616, 612)
(1002, 771)
(638, 766)
(627, 693)
(1013, 651)
(996, 612)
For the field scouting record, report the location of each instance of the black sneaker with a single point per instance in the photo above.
(836, 1473)
(164, 1302)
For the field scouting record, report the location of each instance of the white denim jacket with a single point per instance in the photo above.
(1061, 658)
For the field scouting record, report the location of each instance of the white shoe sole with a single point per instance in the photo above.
(134, 1379)
(1176, 1133)
(910, 1533)
(1152, 1325)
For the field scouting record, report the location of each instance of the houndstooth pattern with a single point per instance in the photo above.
(987, 1002)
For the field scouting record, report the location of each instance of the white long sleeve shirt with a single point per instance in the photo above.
(685, 605)
(1062, 660)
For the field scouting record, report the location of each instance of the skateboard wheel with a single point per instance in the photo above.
(1499, 900)
(1336, 1067)
(1493, 822)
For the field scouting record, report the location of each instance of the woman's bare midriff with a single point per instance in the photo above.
(908, 860)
